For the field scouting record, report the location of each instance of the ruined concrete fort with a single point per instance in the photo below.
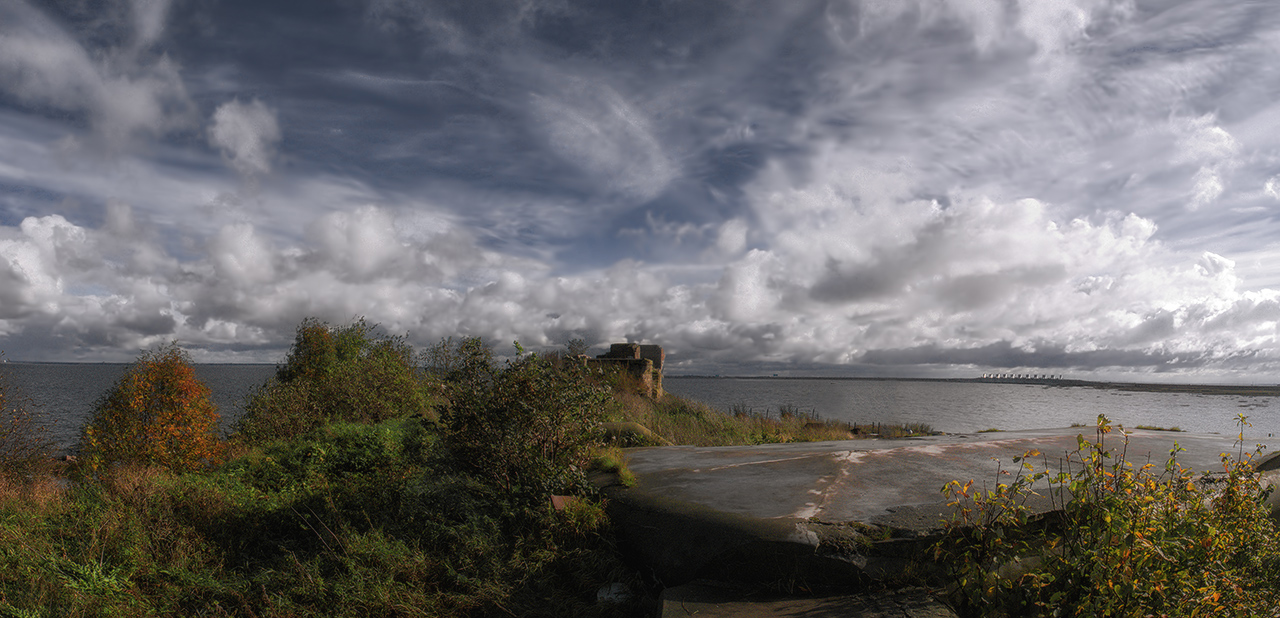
(642, 362)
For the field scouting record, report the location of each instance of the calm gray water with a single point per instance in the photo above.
(957, 407)
(66, 394)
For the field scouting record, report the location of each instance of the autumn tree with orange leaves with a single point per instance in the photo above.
(158, 414)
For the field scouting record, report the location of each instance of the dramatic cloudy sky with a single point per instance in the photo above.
(909, 187)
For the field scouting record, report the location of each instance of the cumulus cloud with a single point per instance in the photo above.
(902, 185)
(978, 283)
(124, 93)
(247, 135)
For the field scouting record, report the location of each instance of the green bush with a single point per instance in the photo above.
(347, 373)
(528, 428)
(1131, 540)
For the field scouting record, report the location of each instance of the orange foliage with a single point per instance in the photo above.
(158, 414)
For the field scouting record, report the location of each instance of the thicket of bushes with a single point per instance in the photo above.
(369, 481)
(342, 492)
(1124, 539)
(336, 373)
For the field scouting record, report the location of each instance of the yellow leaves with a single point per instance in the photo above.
(158, 413)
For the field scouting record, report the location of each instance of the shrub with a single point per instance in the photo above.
(348, 373)
(528, 427)
(24, 440)
(157, 414)
(1132, 540)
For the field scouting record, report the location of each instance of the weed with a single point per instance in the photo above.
(610, 459)
(1126, 539)
(685, 421)
(25, 447)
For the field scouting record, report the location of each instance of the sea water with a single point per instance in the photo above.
(66, 392)
(958, 407)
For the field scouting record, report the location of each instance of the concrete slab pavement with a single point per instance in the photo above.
(830, 514)
(875, 481)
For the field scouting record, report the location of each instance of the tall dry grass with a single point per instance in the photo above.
(689, 422)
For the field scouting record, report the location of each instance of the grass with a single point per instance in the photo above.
(990, 430)
(610, 459)
(685, 421)
(1155, 428)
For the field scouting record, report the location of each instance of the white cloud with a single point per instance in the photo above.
(1052, 24)
(247, 135)
(1059, 175)
(596, 129)
(124, 95)
(1272, 187)
(1208, 188)
(148, 20)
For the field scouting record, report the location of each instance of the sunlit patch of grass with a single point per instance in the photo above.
(610, 459)
(1156, 428)
(686, 421)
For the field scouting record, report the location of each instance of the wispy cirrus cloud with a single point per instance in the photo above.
(887, 187)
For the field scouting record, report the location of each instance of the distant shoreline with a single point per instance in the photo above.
(1247, 390)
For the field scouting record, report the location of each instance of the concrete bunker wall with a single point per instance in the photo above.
(642, 362)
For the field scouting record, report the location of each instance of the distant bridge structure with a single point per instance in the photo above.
(1023, 378)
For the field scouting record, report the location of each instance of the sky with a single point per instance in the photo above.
(878, 187)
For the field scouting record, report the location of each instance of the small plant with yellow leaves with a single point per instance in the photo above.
(1122, 539)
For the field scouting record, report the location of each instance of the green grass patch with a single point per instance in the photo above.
(1155, 428)
(610, 459)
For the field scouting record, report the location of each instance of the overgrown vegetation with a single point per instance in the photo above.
(363, 480)
(25, 446)
(528, 428)
(345, 520)
(1127, 539)
(353, 500)
(157, 414)
(346, 373)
